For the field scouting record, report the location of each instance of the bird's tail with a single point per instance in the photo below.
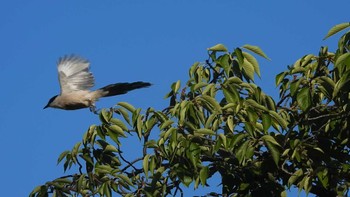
(120, 88)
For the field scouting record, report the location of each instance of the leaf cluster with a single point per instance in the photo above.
(221, 122)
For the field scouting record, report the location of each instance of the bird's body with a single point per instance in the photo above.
(75, 82)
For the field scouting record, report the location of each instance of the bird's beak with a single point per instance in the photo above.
(46, 106)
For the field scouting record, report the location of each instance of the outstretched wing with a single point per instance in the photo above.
(74, 74)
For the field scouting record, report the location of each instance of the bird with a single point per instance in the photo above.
(75, 81)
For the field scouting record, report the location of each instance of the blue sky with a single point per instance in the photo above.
(127, 41)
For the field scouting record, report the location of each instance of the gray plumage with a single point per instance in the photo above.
(76, 80)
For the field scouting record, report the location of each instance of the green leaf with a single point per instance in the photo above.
(124, 113)
(218, 47)
(343, 59)
(280, 77)
(283, 123)
(335, 29)
(124, 178)
(166, 124)
(223, 139)
(127, 106)
(266, 121)
(231, 94)
(270, 139)
(256, 50)
(105, 116)
(187, 180)
(273, 147)
(62, 155)
(199, 85)
(342, 83)
(139, 126)
(270, 103)
(307, 184)
(152, 165)
(168, 132)
(203, 175)
(204, 131)
(119, 123)
(116, 129)
(306, 60)
(284, 193)
(239, 55)
(176, 86)
(294, 86)
(323, 177)
(251, 59)
(248, 69)
(212, 102)
(145, 164)
(254, 104)
(327, 84)
(237, 138)
(111, 148)
(304, 99)
(193, 69)
(295, 177)
(75, 149)
(235, 80)
(230, 123)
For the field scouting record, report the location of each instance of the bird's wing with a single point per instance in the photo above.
(74, 74)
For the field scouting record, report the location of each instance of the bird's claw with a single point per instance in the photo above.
(94, 110)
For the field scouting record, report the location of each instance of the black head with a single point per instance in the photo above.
(50, 101)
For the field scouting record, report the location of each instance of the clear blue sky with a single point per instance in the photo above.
(126, 41)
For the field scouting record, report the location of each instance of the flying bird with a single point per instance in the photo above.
(76, 80)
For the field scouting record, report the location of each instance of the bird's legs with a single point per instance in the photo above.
(93, 109)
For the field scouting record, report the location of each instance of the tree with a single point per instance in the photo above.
(222, 122)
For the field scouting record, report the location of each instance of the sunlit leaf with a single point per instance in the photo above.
(145, 164)
(342, 83)
(111, 148)
(218, 47)
(212, 102)
(295, 177)
(337, 28)
(176, 86)
(256, 50)
(342, 59)
(127, 106)
(62, 155)
(266, 121)
(278, 118)
(230, 123)
(166, 124)
(105, 116)
(280, 77)
(203, 175)
(304, 99)
(223, 139)
(248, 69)
(125, 114)
(205, 131)
(254, 104)
(124, 178)
(251, 59)
(294, 86)
(322, 175)
(231, 94)
(119, 123)
(116, 129)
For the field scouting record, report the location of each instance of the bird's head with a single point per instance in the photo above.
(51, 101)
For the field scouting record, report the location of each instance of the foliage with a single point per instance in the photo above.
(221, 122)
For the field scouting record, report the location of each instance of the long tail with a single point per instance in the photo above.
(120, 88)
